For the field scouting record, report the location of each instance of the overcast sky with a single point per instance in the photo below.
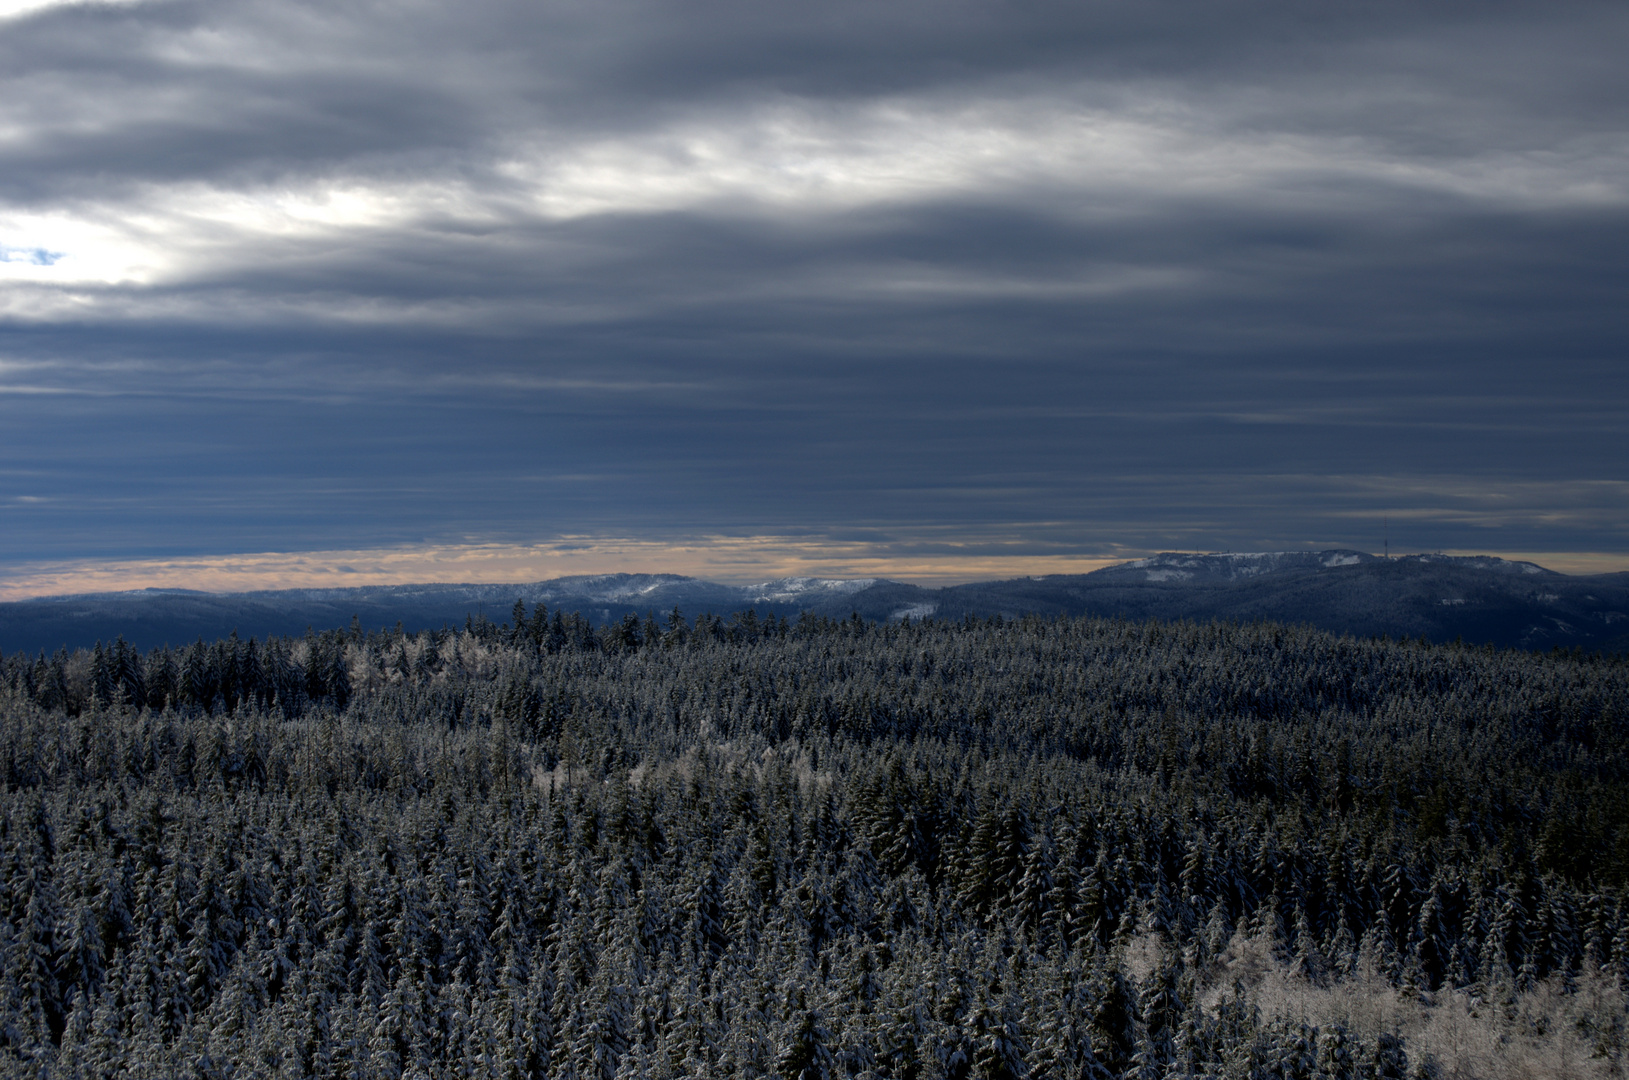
(934, 290)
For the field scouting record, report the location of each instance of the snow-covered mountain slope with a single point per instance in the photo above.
(1230, 566)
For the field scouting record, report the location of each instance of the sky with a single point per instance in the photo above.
(315, 293)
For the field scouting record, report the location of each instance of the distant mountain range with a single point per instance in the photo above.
(1480, 599)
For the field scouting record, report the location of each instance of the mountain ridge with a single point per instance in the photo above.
(1507, 603)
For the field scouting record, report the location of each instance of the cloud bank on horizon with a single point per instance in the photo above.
(949, 281)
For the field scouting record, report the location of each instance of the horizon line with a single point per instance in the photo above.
(737, 561)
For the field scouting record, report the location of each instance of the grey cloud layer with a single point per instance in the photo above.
(1152, 275)
(104, 96)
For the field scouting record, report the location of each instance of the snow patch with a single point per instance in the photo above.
(793, 587)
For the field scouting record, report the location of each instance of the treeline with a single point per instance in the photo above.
(291, 675)
(823, 848)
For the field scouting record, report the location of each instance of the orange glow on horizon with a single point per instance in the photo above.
(733, 560)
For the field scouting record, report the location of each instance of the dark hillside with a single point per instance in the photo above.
(1481, 600)
(150, 618)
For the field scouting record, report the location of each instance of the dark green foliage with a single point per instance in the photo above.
(743, 847)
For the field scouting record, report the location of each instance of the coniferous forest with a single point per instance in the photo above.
(748, 847)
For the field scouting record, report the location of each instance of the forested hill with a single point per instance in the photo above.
(153, 617)
(1442, 597)
(1071, 848)
(1482, 600)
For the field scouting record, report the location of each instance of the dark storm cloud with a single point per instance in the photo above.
(1074, 276)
